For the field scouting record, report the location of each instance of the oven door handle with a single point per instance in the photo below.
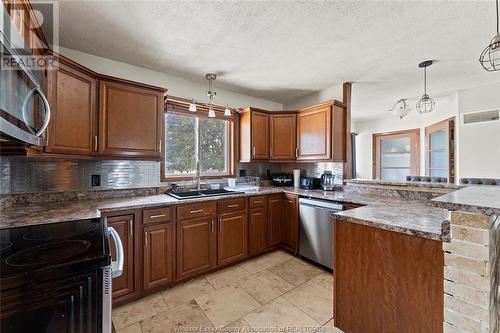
(117, 266)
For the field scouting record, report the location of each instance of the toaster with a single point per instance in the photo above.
(310, 183)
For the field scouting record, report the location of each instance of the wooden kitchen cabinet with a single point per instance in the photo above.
(232, 239)
(289, 214)
(124, 226)
(254, 135)
(257, 227)
(159, 255)
(321, 133)
(282, 133)
(130, 120)
(274, 220)
(386, 281)
(72, 95)
(196, 246)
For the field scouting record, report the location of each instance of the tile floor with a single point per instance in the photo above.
(275, 292)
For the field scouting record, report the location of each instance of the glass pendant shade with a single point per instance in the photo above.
(425, 104)
(490, 57)
(227, 111)
(192, 107)
(400, 109)
(211, 112)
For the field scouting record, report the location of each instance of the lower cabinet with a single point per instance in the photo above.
(274, 220)
(289, 215)
(158, 255)
(124, 226)
(196, 246)
(232, 240)
(257, 230)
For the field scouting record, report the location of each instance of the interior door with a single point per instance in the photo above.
(232, 239)
(124, 226)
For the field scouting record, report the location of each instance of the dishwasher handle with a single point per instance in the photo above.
(321, 204)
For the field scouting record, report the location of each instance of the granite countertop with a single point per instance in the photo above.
(413, 217)
(427, 185)
(484, 199)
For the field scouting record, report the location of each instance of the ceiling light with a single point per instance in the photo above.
(400, 108)
(211, 94)
(192, 106)
(227, 111)
(490, 57)
(425, 104)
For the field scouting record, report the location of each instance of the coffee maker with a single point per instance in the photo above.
(328, 181)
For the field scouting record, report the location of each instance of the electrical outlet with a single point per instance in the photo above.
(95, 180)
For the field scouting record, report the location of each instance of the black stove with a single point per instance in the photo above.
(51, 276)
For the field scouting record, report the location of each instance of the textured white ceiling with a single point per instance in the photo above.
(283, 50)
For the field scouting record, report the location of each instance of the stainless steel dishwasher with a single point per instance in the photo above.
(315, 234)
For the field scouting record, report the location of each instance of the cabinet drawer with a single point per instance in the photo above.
(155, 215)
(196, 210)
(258, 201)
(232, 205)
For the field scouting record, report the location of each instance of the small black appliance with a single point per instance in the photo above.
(310, 183)
(283, 179)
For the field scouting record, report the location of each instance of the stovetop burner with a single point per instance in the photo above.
(47, 253)
(59, 231)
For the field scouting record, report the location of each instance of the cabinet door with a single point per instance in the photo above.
(257, 230)
(259, 136)
(158, 255)
(314, 133)
(283, 134)
(274, 222)
(290, 222)
(124, 226)
(130, 120)
(72, 98)
(196, 246)
(232, 237)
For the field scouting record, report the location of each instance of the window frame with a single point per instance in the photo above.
(180, 106)
(413, 134)
(449, 126)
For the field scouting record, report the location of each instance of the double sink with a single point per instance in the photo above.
(200, 193)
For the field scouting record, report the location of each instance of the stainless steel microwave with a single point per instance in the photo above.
(24, 109)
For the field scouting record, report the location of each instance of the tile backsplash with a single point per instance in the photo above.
(32, 175)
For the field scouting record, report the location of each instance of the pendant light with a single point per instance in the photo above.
(227, 111)
(425, 104)
(211, 94)
(400, 108)
(192, 106)
(490, 57)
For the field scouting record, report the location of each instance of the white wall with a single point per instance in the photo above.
(176, 86)
(445, 108)
(477, 145)
(334, 92)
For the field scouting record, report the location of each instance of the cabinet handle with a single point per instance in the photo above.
(232, 206)
(221, 228)
(157, 216)
(95, 143)
(296, 152)
(159, 146)
(145, 239)
(253, 151)
(212, 225)
(130, 227)
(256, 202)
(196, 211)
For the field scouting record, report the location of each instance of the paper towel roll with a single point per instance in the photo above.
(296, 178)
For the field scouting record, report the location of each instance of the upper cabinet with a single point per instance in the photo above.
(254, 135)
(315, 133)
(282, 137)
(130, 120)
(72, 95)
(321, 132)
